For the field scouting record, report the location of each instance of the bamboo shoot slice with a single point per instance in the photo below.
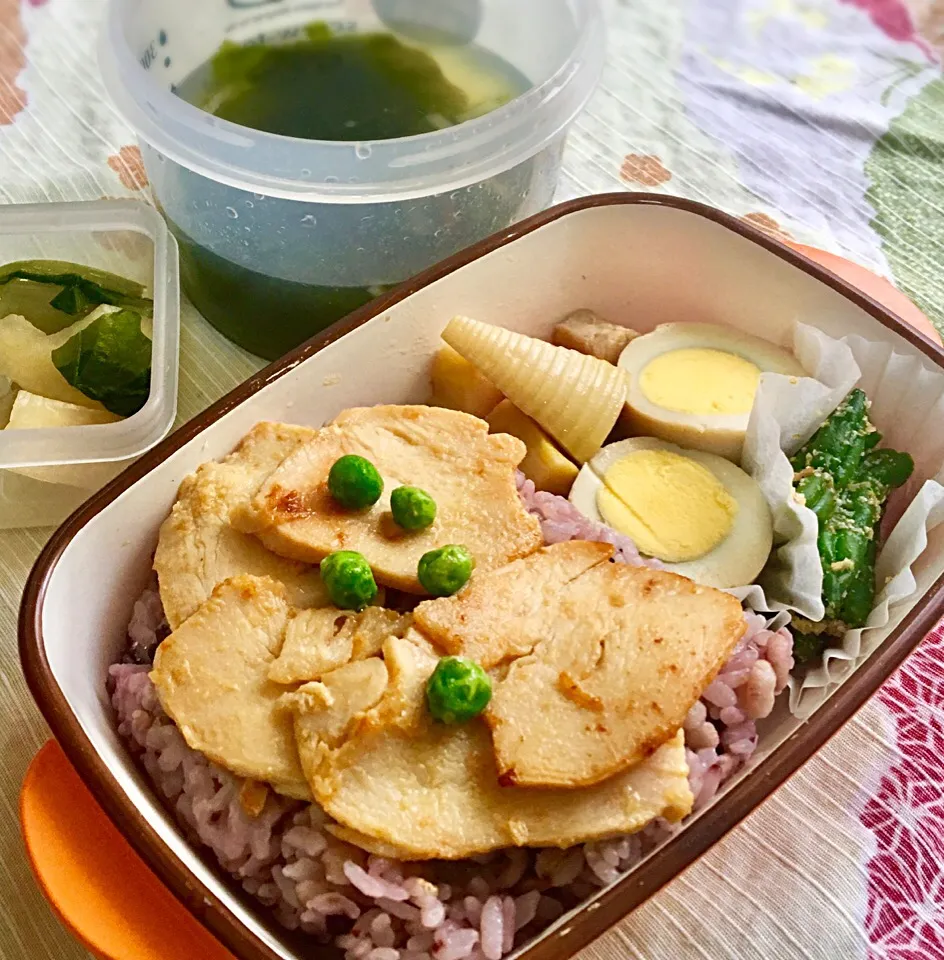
(575, 398)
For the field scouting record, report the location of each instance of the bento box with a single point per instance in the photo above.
(642, 259)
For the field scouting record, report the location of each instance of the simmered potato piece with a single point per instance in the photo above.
(458, 385)
(543, 463)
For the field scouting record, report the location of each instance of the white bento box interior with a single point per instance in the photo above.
(639, 264)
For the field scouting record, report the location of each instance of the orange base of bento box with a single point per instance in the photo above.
(99, 887)
(104, 892)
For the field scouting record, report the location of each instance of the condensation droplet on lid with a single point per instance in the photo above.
(306, 172)
(250, 204)
(258, 196)
(231, 213)
(309, 220)
(437, 233)
(367, 219)
(363, 150)
(360, 250)
(331, 180)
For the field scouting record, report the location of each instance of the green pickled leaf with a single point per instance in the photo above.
(109, 361)
(62, 272)
(81, 289)
(71, 300)
(904, 170)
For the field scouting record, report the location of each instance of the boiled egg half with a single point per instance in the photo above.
(694, 384)
(697, 512)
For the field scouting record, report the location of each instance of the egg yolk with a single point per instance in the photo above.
(701, 381)
(671, 507)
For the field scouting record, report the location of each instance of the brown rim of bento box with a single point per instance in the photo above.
(679, 853)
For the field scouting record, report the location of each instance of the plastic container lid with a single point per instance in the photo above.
(557, 44)
(128, 238)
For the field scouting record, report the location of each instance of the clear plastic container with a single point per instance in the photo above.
(66, 465)
(281, 236)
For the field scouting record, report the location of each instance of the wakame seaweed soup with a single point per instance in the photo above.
(337, 87)
(368, 86)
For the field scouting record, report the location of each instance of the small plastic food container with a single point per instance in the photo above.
(68, 464)
(304, 231)
(641, 259)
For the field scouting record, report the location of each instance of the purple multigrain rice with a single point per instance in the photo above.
(374, 908)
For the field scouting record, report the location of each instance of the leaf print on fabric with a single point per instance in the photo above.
(907, 195)
(646, 170)
(129, 165)
(12, 60)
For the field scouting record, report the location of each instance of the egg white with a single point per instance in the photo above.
(721, 434)
(740, 557)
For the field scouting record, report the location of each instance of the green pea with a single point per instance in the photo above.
(412, 508)
(355, 482)
(445, 571)
(458, 690)
(349, 580)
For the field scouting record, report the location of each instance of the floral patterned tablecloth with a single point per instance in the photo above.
(819, 120)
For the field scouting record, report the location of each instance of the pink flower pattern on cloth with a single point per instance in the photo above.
(892, 17)
(905, 919)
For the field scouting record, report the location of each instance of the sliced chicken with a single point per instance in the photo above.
(450, 455)
(617, 662)
(400, 783)
(321, 640)
(504, 612)
(212, 678)
(197, 546)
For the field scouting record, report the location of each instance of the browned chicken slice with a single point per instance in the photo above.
(400, 783)
(197, 546)
(616, 665)
(331, 706)
(211, 676)
(450, 455)
(583, 330)
(321, 640)
(504, 612)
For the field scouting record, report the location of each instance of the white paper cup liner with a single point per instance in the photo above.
(907, 396)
